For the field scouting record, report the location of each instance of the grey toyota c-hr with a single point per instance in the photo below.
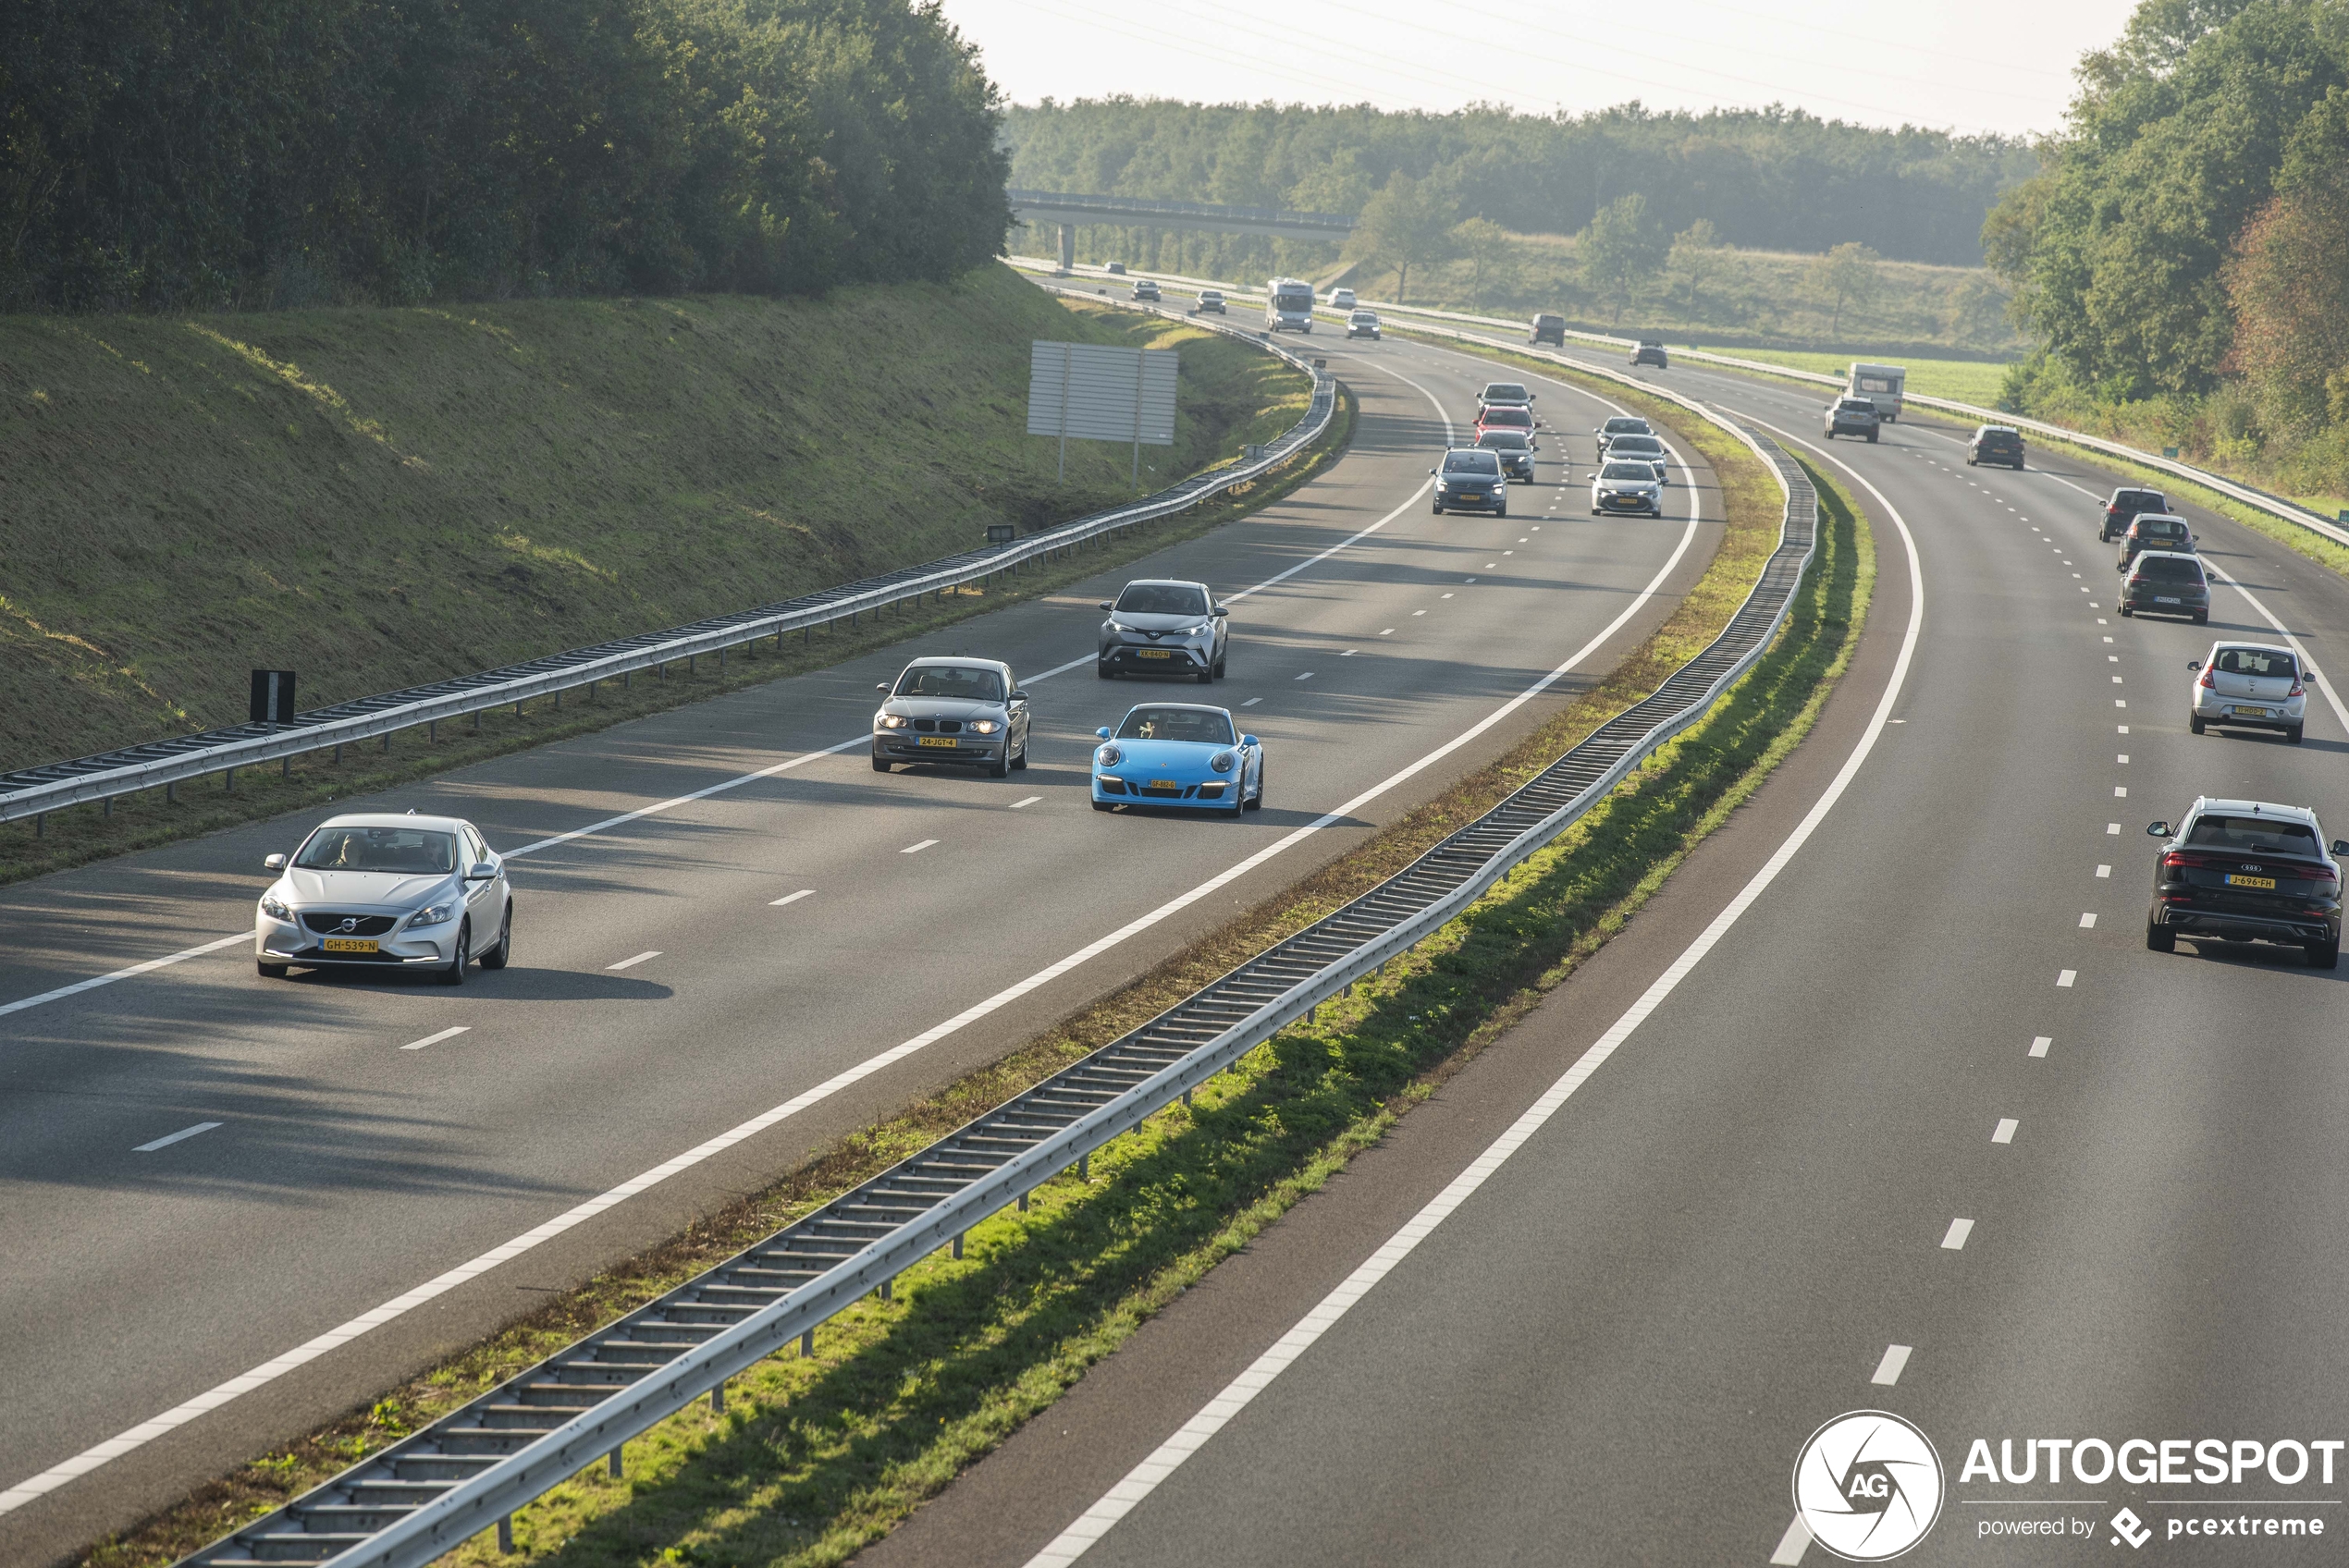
(1161, 626)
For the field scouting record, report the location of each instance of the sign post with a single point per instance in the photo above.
(1096, 392)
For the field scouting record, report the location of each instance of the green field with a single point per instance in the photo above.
(374, 498)
(1960, 381)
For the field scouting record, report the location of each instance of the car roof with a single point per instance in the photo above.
(1627, 420)
(1162, 583)
(930, 660)
(2170, 556)
(2155, 517)
(2252, 808)
(2136, 490)
(2225, 644)
(395, 819)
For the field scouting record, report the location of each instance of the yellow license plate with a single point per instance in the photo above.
(944, 740)
(2235, 879)
(1155, 653)
(2249, 713)
(350, 945)
(1164, 784)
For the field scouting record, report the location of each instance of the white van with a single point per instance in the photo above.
(1288, 305)
(1879, 384)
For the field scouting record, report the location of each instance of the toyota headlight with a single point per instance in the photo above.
(984, 726)
(1201, 630)
(1109, 756)
(433, 914)
(891, 721)
(1222, 762)
(275, 907)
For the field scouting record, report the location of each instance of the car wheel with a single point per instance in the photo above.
(2194, 723)
(1020, 762)
(1257, 803)
(455, 974)
(2293, 734)
(1871, 437)
(880, 765)
(270, 971)
(2126, 612)
(1220, 660)
(1001, 767)
(2324, 955)
(1438, 511)
(495, 957)
(2202, 619)
(1500, 511)
(1102, 671)
(2160, 938)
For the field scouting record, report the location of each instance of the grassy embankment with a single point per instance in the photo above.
(379, 497)
(1960, 381)
(815, 1458)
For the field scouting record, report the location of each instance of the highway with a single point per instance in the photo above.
(1887, 1106)
(254, 1204)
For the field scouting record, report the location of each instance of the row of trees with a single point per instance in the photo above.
(1771, 179)
(192, 153)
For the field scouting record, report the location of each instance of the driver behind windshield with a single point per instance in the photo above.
(953, 682)
(1200, 726)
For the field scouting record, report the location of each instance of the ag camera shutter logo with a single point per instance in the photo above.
(1868, 1485)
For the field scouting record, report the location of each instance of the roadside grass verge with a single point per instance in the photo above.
(1961, 381)
(82, 834)
(815, 1458)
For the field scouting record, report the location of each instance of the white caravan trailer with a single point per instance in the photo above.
(1288, 305)
(1879, 384)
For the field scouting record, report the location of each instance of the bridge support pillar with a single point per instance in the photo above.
(1069, 246)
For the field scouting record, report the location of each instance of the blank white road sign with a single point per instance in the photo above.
(1096, 392)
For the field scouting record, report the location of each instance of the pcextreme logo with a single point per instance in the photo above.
(1868, 1485)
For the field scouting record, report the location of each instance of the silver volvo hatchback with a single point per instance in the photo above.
(379, 891)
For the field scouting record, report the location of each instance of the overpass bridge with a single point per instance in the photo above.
(1140, 211)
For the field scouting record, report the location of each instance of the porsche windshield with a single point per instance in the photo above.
(1203, 727)
(1161, 598)
(416, 850)
(954, 681)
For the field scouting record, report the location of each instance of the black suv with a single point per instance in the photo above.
(1548, 329)
(1996, 443)
(1650, 352)
(2162, 583)
(2246, 871)
(2125, 507)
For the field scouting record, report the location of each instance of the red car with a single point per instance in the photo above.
(1504, 418)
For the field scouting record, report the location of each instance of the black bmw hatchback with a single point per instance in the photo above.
(2247, 871)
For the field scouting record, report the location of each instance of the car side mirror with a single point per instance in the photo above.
(2341, 846)
(1248, 741)
(1431, 471)
(275, 863)
(1102, 732)
(1219, 610)
(483, 871)
(1105, 604)
(2157, 829)
(880, 685)
(2193, 664)
(1019, 695)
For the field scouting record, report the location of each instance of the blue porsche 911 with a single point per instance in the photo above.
(1178, 754)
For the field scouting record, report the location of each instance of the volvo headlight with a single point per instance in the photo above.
(275, 907)
(984, 726)
(1222, 762)
(891, 721)
(1109, 756)
(433, 914)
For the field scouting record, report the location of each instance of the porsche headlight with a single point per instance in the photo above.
(1222, 762)
(891, 721)
(433, 914)
(984, 726)
(1109, 756)
(275, 907)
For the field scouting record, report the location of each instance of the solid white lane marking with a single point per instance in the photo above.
(134, 970)
(1145, 1478)
(2039, 1044)
(2066, 978)
(918, 848)
(100, 1455)
(169, 1139)
(448, 1033)
(2111, 827)
(2004, 1132)
(1792, 1545)
(809, 892)
(1251, 702)
(1031, 800)
(2088, 921)
(2104, 871)
(633, 962)
(1889, 1370)
(1954, 1241)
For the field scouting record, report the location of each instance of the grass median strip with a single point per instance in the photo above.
(813, 1458)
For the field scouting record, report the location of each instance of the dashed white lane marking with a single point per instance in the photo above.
(918, 848)
(2089, 921)
(2039, 1044)
(1463, 579)
(169, 1139)
(1423, 612)
(1307, 676)
(2122, 757)
(1488, 566)
(1447, 596)
(2120, 791)
(2111, 659)
(1388, 632)
(2120, 702)
(810, 892)
(1792, 1545)
(435, 1039)
(1349, 653)
(2104, 871)
(1251, 702)
(2116, 681)
(1889, 1370)
(633, 962)
(2064, 980)
(2100, 623)
(2004, 1132)
(2112, 827)
(2122, 729)
(1954, 1241)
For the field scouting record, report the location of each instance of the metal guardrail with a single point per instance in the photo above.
(469, 1471)
(36, 791)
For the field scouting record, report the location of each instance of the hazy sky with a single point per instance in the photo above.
(1963, 65)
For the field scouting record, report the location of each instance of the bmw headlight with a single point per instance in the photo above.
(891, 721)
(433, 914)
(1109, 756)
(984, 726)
(275, 907)
(1222, 762)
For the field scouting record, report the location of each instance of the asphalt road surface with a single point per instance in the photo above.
(235, 1207)
(1887, 1106)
